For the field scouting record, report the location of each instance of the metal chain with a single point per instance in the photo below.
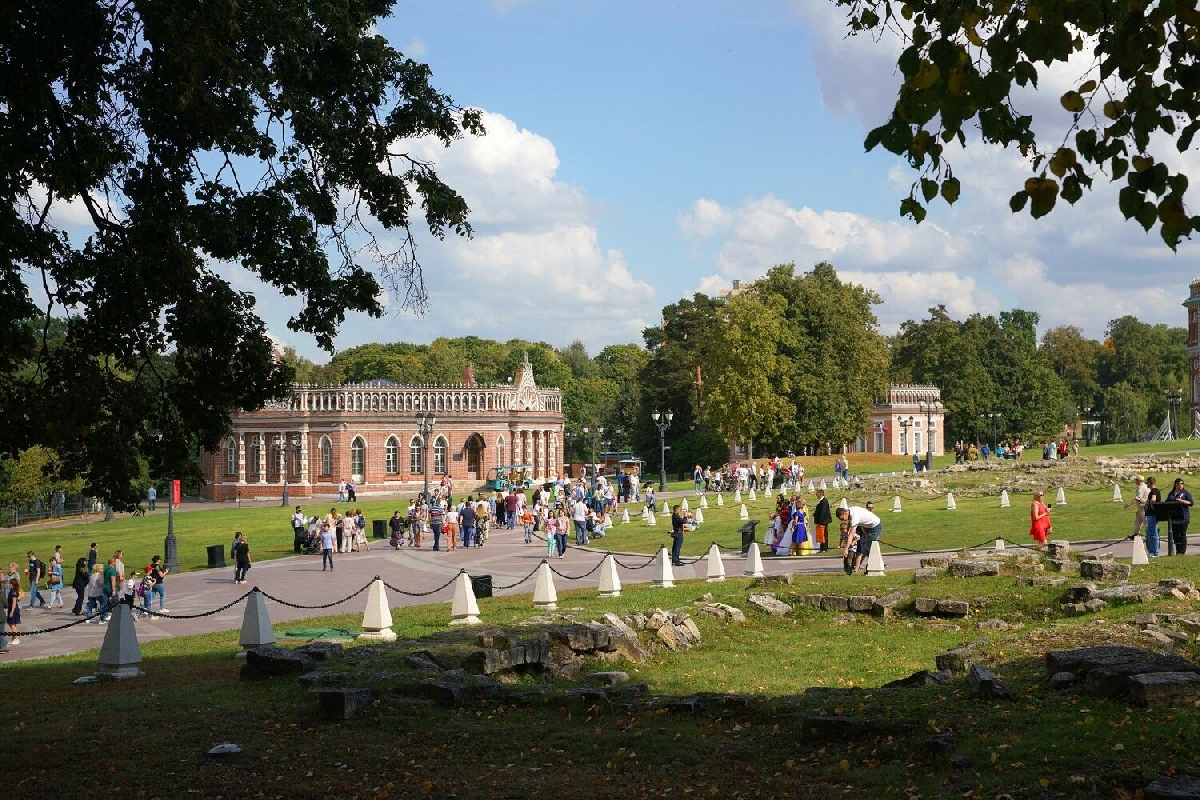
(518, 583)
(640, 566)
(577, 577)
(398, 590)
(321, 605)
(64, 626)
(228, 605)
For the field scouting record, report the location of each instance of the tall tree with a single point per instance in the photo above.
(1136, 104)
(1074, 359)
(193, 135)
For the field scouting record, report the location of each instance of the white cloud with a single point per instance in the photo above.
(415, 49)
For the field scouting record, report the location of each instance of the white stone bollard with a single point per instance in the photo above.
(743, 514)
(1116, 493)
(843, 503)
(1061, 500)
(720, 499)
(464, 610)
(625, 517)
(665, 509)
(1140, 556)
(377, 619)
(544, 595)
(704, 501)
(699, 516)
(753, 496)
(950, 504)
(823, 487)
(256, 624)
(684, 506)
(650, 519)
(1004, 502)
(664, 576)
(610, 582)
(875, 561)
(120, 654)
(737, 495)
(716, 568)
(999, 545)
(896, 504)
(754, 567)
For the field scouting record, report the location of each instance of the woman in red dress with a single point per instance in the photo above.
(1039, 517)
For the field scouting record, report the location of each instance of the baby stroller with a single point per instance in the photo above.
(311, 543)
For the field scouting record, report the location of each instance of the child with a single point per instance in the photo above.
(551, 530)
(132, 584)
(146, 590)
(849, 545)
(527, 523)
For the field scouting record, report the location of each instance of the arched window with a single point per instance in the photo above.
(326, 456)
(415, 464)
(358, 459)
(392, 455)
(230, 457)
(439, 456)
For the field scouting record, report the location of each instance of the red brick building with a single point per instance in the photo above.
(368, 433)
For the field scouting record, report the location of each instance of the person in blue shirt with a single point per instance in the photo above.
(151, 496)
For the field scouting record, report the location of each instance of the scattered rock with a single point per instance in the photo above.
(1173, 787)
(986, 684)
(1062, 680)
(1158, 637)
(974, 569)
(772, 605)
(722, 611)
(861, 602)
(994, 625)
(614, 678)
(936, 562)
(1127, 593)
(925, 605)
(953, 608)
(1104, 570)
(941, 627)
(1164, 689)
(834, 602)
(270, 661)
(883, 606)
(636, 620)
(783, 579)
(921, 678)
(1095, 604)
(423, 660)
(1067, 566)
(956, 659)
(844, 619)
(670, 636)
(619, 625)
(1177, 583)
(322, 651)
(335, 705)
(925, 575)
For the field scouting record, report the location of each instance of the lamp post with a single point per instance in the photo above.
(662, 421)
(595, 434)
(170, 543)
(903, 436)
(287, 445)
(1174, 398)
(930, 430)
(425, 421)
(994, 420)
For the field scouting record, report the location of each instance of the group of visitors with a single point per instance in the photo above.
(464, 524)
(1149, 509)
(794, 530)
(99, 586)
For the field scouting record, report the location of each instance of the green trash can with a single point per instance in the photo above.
(379, 528)
(481, 585)
(216, 555)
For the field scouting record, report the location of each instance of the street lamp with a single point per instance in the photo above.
(596, 434)
(286, 447)
(662, 422)
(930, 430)
(994, 420)
(1174, 398)
(425, 422)
(170, 543)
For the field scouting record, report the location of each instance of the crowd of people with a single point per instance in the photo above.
(99, 585)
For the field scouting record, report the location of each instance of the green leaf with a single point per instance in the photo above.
(1072, 101)
(950, 190)
(1042, 197)
(1018, 200)
(1147, 215)
(929, 189)
(911, 207)
(1119, 167)
(1129, 201)
(1071, 190)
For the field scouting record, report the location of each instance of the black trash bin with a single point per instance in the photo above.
(747, 532)
(379, 528)
(481, 585)
(216, 555)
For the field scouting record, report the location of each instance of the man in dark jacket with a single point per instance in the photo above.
(79, 583)
(822, 518)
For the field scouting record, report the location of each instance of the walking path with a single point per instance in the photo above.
(299, 579)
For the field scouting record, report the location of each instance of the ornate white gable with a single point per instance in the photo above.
(528, 398)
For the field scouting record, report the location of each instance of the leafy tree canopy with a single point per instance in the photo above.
(1134, 107)
(268, 136)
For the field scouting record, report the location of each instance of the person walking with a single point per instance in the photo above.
(560, 534)
(55, 582)
(241, 558)
(36, 571)
(1153, 497)
(677, 521)
(579, 518)
(95, 595)
(327, 542)
(80, 584)
(466, 520)
(159, 572)
(1040, 526)
(12, 608)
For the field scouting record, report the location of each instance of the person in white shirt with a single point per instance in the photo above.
(579, 517)
(1140, 496)
(299, 529)
(868, 526)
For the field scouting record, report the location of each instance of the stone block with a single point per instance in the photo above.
(994, 625)
(1104, 558)
(922, 678)
(670, 636)
(1104, 570)
(693, 631)
(271, 661)
(1059, 548)
(783, 579)
(1095, 604)
(722, 611)
(1156, 637)
(925, 575)
(835, 603)
(953, 608)
(1073, 609)
(772, 605)
(1173, 787)
(619, 625)
(614, 678)
(1079, 592)
(860, 602)
(883, 606)
(986, 684)
(336, 705)
(1177, 583)
(925, 605)
(957, 659)
(322, 651)
(1067, 566)
(936, 562)
(974, 569)
(1062, 680)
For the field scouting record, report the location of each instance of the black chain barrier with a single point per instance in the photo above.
(575, 577)
(882, 543)
(228, 605)
(301, 605)
(62, 627)
(421, 594)
(640, 566)
(532, 572)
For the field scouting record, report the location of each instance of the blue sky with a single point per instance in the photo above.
(638, 152)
